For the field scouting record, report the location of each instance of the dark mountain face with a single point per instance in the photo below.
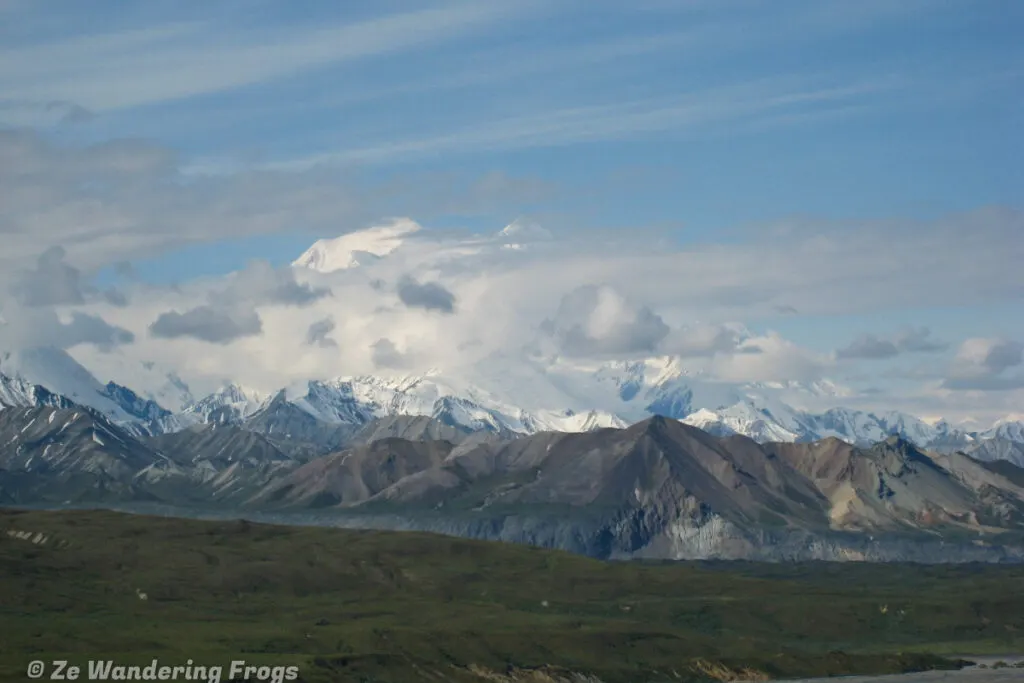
(658, 489)
(45, 397)
(288, 424)
(143, 409)
(996, 450)
(17, 393)
(303, 436)
(59, 454)
(224, 463)
(219, 445)
(1012, 472)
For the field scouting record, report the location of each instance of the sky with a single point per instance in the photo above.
(788, 190)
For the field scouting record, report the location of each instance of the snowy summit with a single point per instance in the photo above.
(356, 248)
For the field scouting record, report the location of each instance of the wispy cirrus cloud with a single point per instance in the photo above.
(504, 57)
(126, 199)
(699, 110)
(143, 66)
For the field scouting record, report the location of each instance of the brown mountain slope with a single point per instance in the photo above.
(890, 486)
(658, 488)
(354, 475)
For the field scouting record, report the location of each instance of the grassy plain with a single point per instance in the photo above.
(393, 607)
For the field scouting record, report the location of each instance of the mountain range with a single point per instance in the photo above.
(616, 459)
(754, 478)
(540, 395)
(658, 489)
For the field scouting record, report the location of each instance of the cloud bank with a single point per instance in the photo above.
(453, 298)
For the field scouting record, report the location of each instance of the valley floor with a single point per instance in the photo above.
(384, 607)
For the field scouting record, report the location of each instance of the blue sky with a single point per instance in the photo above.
(663, 112)
(906, 108)
(689, 122)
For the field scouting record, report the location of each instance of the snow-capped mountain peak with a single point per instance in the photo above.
(1006, 428)
(16, 392)
(504, 394)
(742, 418)
(50, 376)
(59, 373)
(356, 248)
(357, 400)
(522, 230)
(231, 403)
